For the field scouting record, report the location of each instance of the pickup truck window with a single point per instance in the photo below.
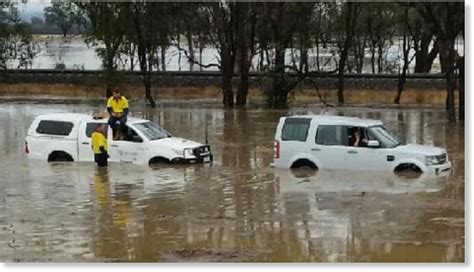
(152, 131)
(59, 128)
(331, 135)
(90, 127)
(295, 129)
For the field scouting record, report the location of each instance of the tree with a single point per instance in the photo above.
(63, 14)
(16, 42)
(149, 31)
(247, 21)
(404, 21)
(446, 21)
(423, 37)
(347, 23)
(108, 22)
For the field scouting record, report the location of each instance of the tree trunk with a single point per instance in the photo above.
(110, 76)
(380, 59)
(279, 93)
(406, 50)
(228, 93)
(189, 38)
(244, 78)
(340, 76)
(372, 57)
(350, 28)
(163, 58)
(423, 57)
(447, 61)
(147, 83)
(227, 74)
(461, 88)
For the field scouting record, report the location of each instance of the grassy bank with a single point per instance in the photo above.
(426, 96)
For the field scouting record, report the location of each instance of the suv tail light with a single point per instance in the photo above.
(27, 150)
(276, 150)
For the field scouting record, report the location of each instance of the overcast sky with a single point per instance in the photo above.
(32, 8)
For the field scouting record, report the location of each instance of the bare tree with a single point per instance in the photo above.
(446, 20)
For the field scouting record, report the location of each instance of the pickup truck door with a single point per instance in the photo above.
(84, 145)
(130, 149)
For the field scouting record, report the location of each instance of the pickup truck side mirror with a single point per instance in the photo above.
(373, 143)
(137, 139)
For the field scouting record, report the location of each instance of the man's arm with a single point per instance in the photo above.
(125, 111)
(109, 109)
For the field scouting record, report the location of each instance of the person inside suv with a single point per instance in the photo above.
(358, 137)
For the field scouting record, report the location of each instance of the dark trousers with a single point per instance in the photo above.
(123, 128)
(101, 159)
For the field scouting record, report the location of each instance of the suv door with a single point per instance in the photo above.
(331, 146)
(364, 157)
(294, 136)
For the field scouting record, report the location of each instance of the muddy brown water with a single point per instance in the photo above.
(237, 210)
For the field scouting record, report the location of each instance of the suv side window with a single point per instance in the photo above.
(331, 135)
(59, 128)
(90, 127)
(295, 129)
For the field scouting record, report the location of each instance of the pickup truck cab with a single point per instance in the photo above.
(327, 142)
(66, 137)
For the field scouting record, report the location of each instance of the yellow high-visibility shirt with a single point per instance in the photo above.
(117, 105)
(97, 140)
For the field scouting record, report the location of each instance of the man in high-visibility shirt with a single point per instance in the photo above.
(99, 145)
(117, 106)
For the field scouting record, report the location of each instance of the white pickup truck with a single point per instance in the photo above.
(66, 137)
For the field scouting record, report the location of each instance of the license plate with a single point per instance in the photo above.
(207, 159)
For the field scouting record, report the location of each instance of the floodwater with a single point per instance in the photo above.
(74, 53)
(237, 210)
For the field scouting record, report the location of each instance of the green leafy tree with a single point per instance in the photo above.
(149, 30)
(107, 29)
(64, 15)
(16, 42)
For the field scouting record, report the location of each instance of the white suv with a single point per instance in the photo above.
(327, 142)
(67, 137)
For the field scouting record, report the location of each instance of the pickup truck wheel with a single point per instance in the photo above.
(158, 160)
(59, 156)
(304, 163)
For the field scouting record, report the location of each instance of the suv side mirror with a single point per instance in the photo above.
(137, 139)
(373, 143)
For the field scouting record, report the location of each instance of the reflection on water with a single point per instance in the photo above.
(238, 209)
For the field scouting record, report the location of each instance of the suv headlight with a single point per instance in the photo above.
(432, 160)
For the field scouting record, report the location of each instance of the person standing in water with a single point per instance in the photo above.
(99, 145)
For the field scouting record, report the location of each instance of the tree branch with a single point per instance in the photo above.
(186, 54)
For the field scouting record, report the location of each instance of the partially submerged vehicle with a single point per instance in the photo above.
(67, 137)
(328, 142)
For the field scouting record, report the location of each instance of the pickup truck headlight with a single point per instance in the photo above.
(432, 160)
(188, 153)
(178, 152)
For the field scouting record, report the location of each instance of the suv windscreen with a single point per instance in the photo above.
(295, 129)
(54, 127)
(385, 137)
(331, 135)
